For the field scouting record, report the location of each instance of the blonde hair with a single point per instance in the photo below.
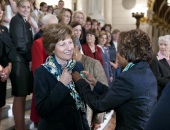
(2, 4)
(80, 12)
(20, 2)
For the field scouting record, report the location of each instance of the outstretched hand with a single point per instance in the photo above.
(89, 78)
(76, 76)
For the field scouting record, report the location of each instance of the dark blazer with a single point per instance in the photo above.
(38, 34)
(132, 96)
(55, 105)
(10, 48)
(106, 63)
(4, 46)
(161, 70)
(21, 34)
(4, 60)
(160, 117)
(112, 51)
(83, 37)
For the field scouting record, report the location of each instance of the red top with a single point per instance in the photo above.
(98, 52)
(38, 57)
(38, 54)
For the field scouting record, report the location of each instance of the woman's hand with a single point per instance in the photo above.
(110, 79)
(95, 126)
(36, 30)
(66, 77)
(114, 65)
(76, 76)
(89, 78)
(5, 73)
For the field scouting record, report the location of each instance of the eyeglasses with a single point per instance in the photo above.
(67, 16)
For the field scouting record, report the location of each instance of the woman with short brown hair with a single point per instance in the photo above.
(57, 102)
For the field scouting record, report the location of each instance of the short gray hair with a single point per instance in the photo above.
(165, 38)
(48, 17)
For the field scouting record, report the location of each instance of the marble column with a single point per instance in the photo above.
(94, 10)
(81, 6)
(108, 11)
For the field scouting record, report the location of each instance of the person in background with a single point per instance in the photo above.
(38, 57)
(41, 26)
(53, 79)
(10, 11)
(160, 64)
(107, 27)
(90, 48)
(115, 36)
(43, 8)
(99, 28)
(102, 38)
(5, 64)
(21, 34)
(94, 24)
(34, 17)
(133, 94)
(60, 7)
(50, 9)
(113, 52)
(88, 23)
(65, 16)
(79, 16)
(77, 31)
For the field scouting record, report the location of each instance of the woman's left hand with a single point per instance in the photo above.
(76, 76)
(110, 79)
(5, 73)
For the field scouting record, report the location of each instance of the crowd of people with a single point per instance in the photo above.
(78, 70)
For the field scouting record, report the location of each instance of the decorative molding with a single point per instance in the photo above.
(150, 4)
(144, 20)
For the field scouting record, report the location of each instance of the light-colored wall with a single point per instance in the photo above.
(122, 18)
(68, 3)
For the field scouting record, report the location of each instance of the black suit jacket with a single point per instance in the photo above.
(4, 46)
(161, 70)
(9, 46)
(21, 34)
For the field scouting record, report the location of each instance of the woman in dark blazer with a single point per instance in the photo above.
(5, 65)
(57, 102)
(133, 94)
(21, 34)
